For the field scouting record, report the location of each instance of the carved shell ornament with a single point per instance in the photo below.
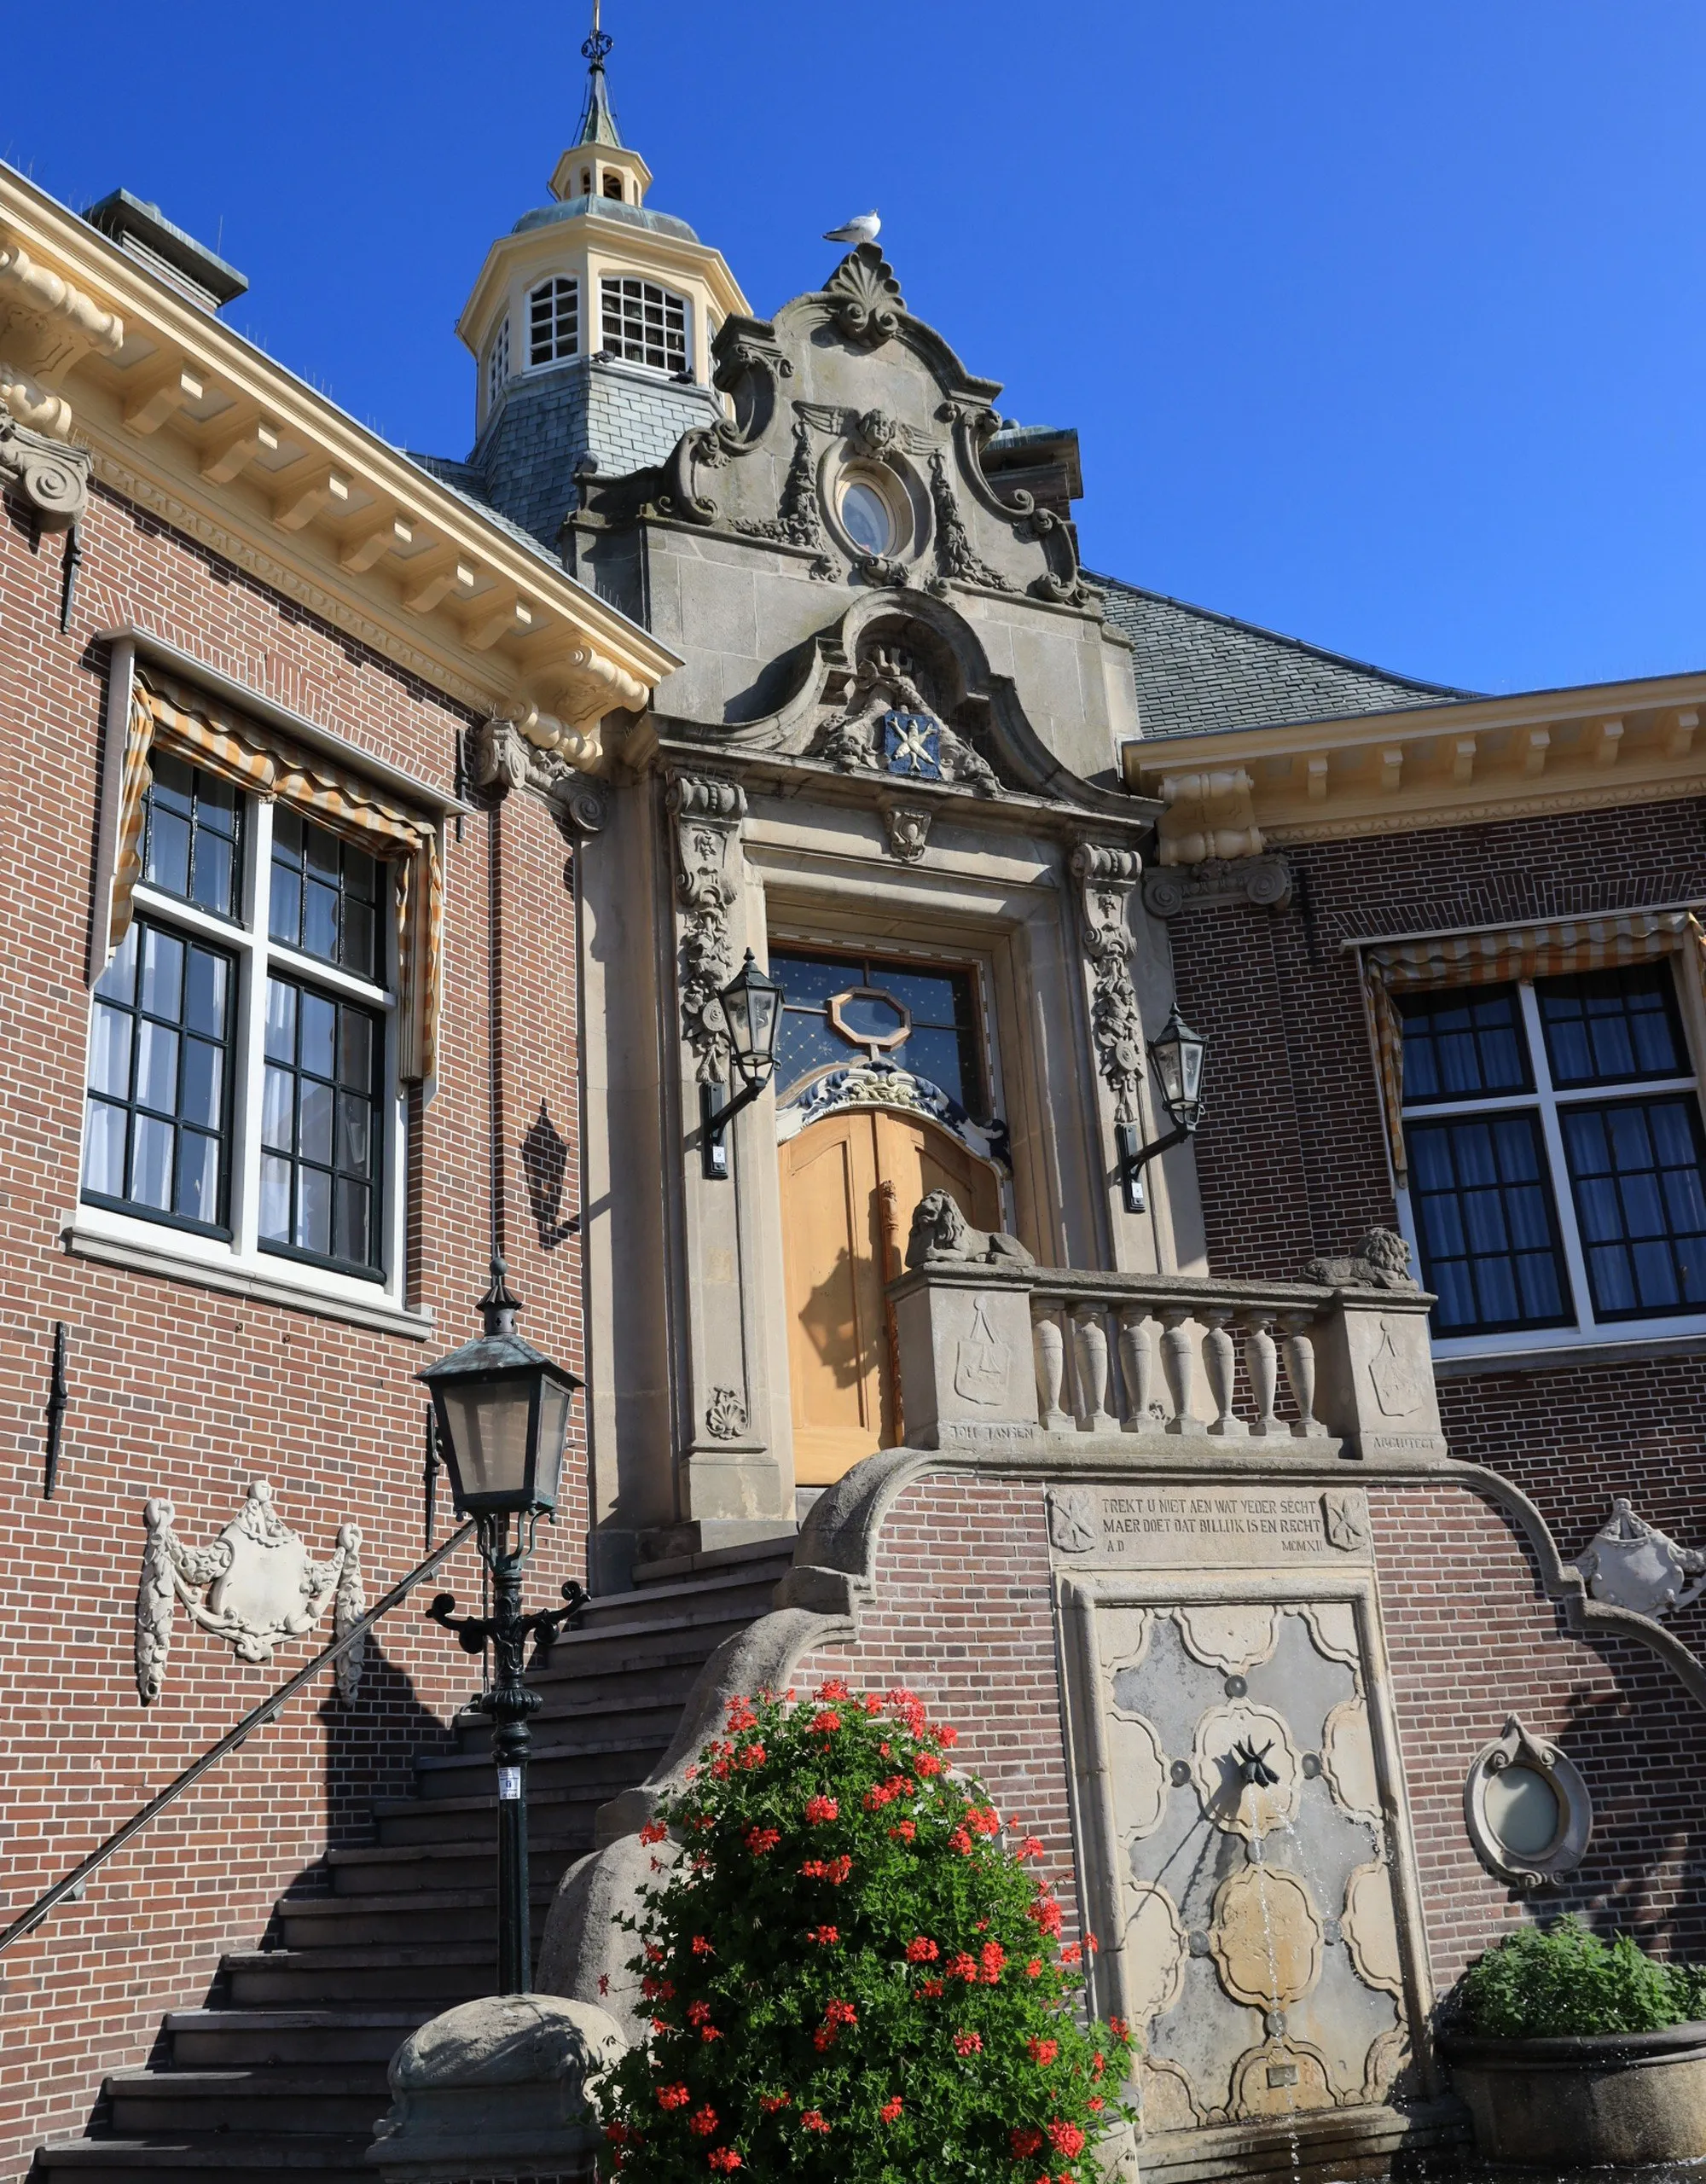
(865, 296)
(254, 1586)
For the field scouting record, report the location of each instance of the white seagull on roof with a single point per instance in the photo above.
(864, 229)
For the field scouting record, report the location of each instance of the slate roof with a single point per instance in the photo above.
(1197, 671)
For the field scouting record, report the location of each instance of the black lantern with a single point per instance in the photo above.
(1178, 1054)
(752, 1009)
(504, 1417)
(503, 1414)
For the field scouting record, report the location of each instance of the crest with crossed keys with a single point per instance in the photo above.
(911, 744)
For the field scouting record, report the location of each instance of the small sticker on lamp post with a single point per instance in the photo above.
(509, 1785)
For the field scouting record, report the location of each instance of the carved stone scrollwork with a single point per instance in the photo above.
(53, 477)
(254, 1586)
(725, 1417)
(1105, 877)
(797, 521)
(1217, 883)
(707, 811)
(955, 556)
(908, 828)
(502, 757)
(866, 298)
(855, 743)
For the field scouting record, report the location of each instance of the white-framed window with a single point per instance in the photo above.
(553, 320)
(497, 364)
(1556, 1165)
(243, 1086)
(643, 323)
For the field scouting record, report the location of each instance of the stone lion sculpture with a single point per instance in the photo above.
(941, 1232)
(1380, 1260)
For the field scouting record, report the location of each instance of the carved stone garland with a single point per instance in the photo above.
(707, 811)
(954, 554)
(254, 1586)
(1105, 877)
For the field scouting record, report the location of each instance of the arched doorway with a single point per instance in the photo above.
(850, 1183)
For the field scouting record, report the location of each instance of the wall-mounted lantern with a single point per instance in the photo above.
(1177, 1052)
(752, 1007)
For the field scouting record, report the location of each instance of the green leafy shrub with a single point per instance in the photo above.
(1539, 1983)
(850, 1978)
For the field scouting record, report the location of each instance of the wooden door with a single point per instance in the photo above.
(849, 1187)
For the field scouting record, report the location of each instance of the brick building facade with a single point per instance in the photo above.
(734, 634)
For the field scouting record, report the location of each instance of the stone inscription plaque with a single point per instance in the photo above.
(1209, 1527)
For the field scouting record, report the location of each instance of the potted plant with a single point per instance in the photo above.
(1573, 2050)
(852, 1976)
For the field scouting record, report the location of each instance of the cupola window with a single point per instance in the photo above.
(554, 321)
(645, 324)
(612, 183)
(497, 364)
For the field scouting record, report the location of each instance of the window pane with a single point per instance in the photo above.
(274, 1220)
(1635, 1167)
(284, 918)
(935, 1054)
(204, 1083)
(808, 981)
(150, 1163)
(205, 1007)
(355, 1060)
(162, 974)
(319, 1033)
(352, 1240)
(109, 1052)
(167, 862)
(930, 998)
(1484, 1216)
(314, 1123)
(103, 1153)
(156, 1066)
(277, 1094)
(314, 1211)
(320, 921)
(215, 863)
(355, 1134)
(359, 937)
(1605, 1025)
(287, 836)
(198, 1177)
(280, 1024)
(118, 979)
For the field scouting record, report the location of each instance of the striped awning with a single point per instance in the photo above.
(1495, 957)
(171, 717)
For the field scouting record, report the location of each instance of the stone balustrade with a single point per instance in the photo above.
(997, 1352)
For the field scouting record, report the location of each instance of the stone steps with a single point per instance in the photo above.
(284, 2077)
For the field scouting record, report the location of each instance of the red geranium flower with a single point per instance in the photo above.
(891, 2109)
(654, 1832)
(968, 2043)
(923, 1950)
(1066, 2138)
(760, 1839)
(813, 2120)
(673, 2096)
(703, 2121)
(724, 2158)
(825, 1937)
(1042, 2052)
(1025, 2141)
(819, 1808)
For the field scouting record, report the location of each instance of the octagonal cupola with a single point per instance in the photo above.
(591, 325)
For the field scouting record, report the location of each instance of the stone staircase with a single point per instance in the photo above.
(282, 2074)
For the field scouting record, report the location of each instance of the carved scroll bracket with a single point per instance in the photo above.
(53, 477)
(254, 1586)
(1104, 877)
(707, 811)
(501, 757)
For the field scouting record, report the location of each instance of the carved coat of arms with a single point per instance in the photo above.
(1346, 1523)
(1634, 1565)
(1399, 1384)
(981, 1361)
(912, 746)
(1073, 1519)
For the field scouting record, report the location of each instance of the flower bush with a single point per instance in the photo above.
(1539, 1983)
(849, 1975)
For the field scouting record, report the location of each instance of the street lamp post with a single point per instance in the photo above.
(752, 1009)
(503, 1408)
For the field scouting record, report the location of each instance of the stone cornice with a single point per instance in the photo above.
(184, 416)
(1477, 761)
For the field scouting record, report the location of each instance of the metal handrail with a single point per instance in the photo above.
(74, 1881)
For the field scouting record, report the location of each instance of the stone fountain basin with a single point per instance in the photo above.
(1584, 2099)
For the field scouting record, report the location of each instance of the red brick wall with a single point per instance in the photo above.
(961, 1612)
(187, 1393)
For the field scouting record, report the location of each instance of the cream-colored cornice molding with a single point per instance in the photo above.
(1476, 761)
(184, 416)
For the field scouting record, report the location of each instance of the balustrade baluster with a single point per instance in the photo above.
(1050, 1347)
(1090, 1326)
(1222, 1360)
(1178, 1362)
(1300, 1372)
(1262, 1362)
(1137, 1366)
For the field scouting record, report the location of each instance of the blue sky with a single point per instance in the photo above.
(1381, 324)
